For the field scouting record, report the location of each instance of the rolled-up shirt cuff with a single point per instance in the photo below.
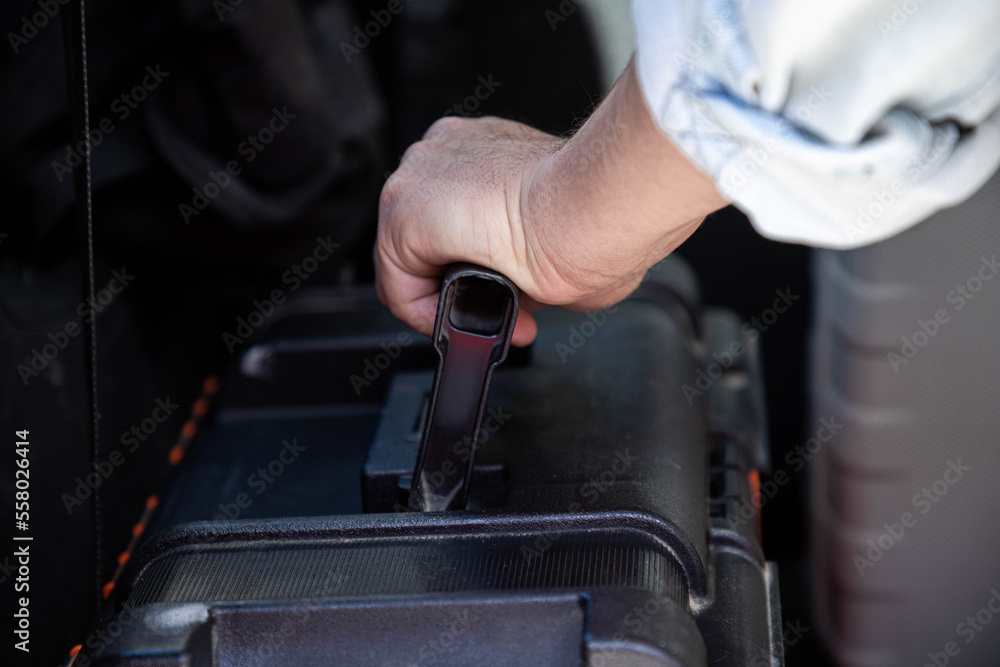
(701, 81)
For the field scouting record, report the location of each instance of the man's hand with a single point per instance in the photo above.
(573, 223)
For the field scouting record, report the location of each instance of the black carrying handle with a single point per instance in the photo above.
(476, 313)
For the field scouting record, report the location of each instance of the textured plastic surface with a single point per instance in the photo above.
(605, 505)
(904, 496)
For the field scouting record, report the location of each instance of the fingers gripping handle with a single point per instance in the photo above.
(475, 318)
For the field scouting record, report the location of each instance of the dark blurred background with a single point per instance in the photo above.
(229, 70)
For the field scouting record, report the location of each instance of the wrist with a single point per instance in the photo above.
(609, 203)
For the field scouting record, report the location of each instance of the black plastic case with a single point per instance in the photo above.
(611, 520)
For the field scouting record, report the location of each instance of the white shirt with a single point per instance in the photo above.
(834, 124)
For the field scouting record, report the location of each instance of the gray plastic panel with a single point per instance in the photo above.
(898, 597)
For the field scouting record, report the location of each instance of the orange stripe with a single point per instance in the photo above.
(176, 454)
(754, 478)
(211, 385)
(198, 410)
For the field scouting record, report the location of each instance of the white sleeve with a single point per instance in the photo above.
(834, 124)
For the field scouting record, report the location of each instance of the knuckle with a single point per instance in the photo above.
(388, 198)
(445, 125)
(383, 251)
(414, 152)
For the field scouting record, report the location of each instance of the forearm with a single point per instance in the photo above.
(620, 183)
(573, 223)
